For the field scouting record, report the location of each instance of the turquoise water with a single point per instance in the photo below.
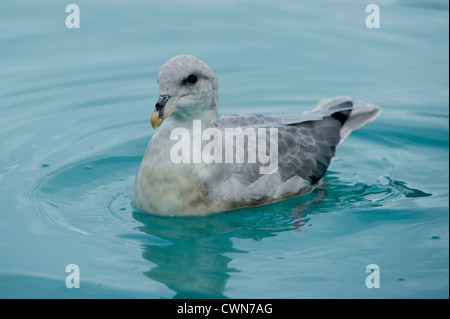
(75, 108)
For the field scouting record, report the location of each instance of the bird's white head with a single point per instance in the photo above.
(187, 90)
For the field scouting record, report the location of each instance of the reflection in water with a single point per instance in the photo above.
(193, 259)
(195, 263)
(298, 212)
(194, 254)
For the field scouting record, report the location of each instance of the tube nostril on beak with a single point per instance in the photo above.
(162, 102)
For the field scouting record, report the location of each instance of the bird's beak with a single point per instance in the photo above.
(161, 112)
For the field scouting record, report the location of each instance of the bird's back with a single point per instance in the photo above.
(306, 143)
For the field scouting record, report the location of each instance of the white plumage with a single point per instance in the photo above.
(189, 94)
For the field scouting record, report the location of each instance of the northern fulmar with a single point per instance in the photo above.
(198, 163)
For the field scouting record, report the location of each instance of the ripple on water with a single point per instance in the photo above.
(90, 201)
(87, 196)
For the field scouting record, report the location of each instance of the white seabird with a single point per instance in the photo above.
(203, 180)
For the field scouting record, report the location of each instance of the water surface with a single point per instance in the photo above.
(75, 109)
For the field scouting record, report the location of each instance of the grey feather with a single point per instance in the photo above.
(306, 142)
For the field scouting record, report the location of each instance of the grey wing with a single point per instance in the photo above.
(305, 146)
(332, 107)
(306, 149)
(259, 120)
(306, 142)
(246, 120)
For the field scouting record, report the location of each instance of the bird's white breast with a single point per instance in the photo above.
(167, 188)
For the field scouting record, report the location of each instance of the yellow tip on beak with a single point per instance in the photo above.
(157, 117)
(156, 120)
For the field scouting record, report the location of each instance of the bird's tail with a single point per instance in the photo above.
(351, 115)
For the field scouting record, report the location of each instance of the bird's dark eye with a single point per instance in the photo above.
(192, 79)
